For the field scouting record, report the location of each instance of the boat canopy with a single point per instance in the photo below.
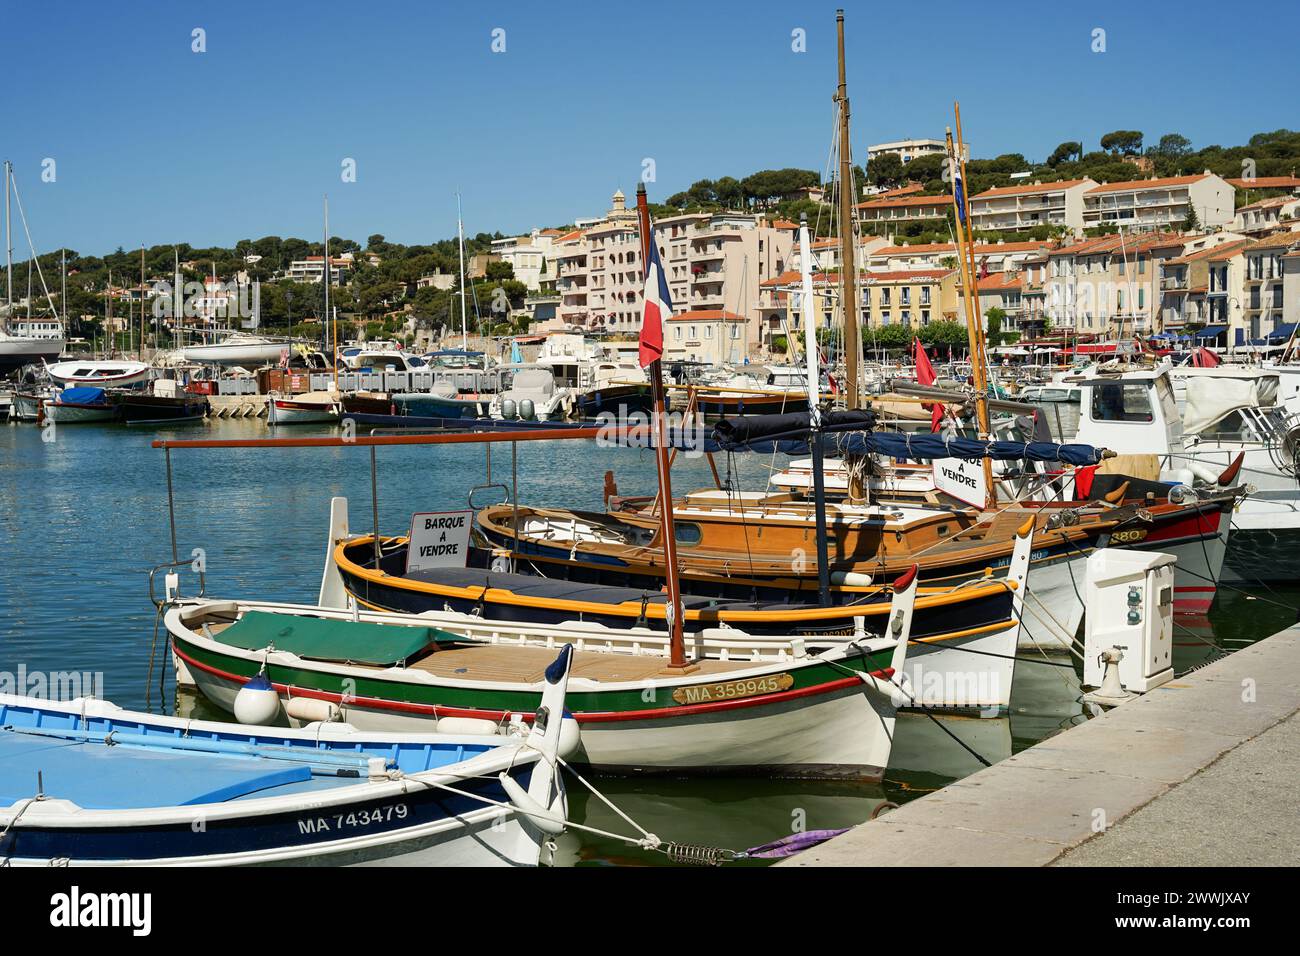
(852, 432)
(1213, 393)
(325, 640)
(82, 396)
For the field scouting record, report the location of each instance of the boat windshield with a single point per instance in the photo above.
(1121, 402)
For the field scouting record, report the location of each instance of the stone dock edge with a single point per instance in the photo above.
(1074, 788)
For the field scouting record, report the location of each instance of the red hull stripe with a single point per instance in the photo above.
(583, 717)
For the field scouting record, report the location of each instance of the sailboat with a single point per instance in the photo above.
(32, 339)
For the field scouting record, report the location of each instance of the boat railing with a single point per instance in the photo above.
(171, 582)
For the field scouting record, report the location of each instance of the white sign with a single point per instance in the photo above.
(439, 539)
(963, 478)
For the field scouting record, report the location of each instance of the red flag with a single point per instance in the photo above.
(925, 376)
(1204, 358)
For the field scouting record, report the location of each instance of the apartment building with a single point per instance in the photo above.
(1108, 285)
(1267, 215)
(1016, 208)
(571, 279)
(714, 336)
(991, 256)
(532, 257)
(1003, 290)
(1272, 286)
(899, 209)
(1185, 278)
(312, 269)
(910, 149)
(1155, 204)
(910, 297)
(1290, 183)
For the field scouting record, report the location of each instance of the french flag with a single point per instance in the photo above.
(658, 308)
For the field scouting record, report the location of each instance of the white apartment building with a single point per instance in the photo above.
(990, 256)
(909, 149)
(1272, 291)
(887, 209)
(532, 257)
(1014, 208)
(312, 269)
(1160, 203)
(1267, 215)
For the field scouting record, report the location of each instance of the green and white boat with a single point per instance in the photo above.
(775, 709)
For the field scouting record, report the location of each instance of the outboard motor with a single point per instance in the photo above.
(527, 411)
(508, 410)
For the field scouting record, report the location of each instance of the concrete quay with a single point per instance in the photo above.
(1199, 772)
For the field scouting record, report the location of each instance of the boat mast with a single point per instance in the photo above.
(814, 412)
(140, 355)
(9, 247)
(325, 275)
(974, 327)
(667, 527)
(848, 256)
(460, 235)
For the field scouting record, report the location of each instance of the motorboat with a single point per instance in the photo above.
(528, 393)
(308, 408)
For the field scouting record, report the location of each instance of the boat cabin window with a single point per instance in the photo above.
(1121, 402)
(688, 534)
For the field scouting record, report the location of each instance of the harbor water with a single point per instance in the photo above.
(83, 519)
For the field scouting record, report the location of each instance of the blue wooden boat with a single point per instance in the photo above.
(85, 782)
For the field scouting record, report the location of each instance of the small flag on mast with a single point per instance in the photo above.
(959, 195)
(658, 308)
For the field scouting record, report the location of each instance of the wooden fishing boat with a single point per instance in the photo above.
(86, 783)
(311, 408)
(148, 408)
(732, 708)
(80, 405)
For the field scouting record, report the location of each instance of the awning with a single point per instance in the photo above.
(1282, 332)
(1211, 332)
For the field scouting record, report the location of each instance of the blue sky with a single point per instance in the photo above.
(155, 143)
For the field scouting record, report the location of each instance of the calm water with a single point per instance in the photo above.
(84, 518)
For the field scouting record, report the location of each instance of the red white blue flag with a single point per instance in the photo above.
(658, 309)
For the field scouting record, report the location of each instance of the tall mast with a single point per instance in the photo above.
(460, 235)
(325, 315)
(848, 257)
(63, 293)
(970, 293)
(140, 354)
(9, 246)
(814, 412)
(667, 527)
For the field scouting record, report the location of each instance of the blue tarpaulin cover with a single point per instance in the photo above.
(84, 395)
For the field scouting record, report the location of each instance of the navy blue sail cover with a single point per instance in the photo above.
(903, 445)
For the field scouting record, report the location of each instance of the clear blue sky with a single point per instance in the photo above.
(155, 143)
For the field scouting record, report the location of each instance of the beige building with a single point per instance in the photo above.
(910, 149)
(991, 256)
(910, 297)
(898, 209)
(532, 257)
(1109, 285)
(714, 336)
(1015, 208)
(1003, 290)
(1272, 290)
(1152, 204)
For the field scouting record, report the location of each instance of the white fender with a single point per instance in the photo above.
(257, 703)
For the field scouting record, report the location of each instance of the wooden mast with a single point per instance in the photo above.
(848, 256)
(970, 289)
(668, 528)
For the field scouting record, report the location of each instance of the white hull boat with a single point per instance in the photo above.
(100, 374)
(250, 351)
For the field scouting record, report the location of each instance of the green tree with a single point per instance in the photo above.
(996, 317)
(1064, 152)
(1173, 146)
(1123, 142)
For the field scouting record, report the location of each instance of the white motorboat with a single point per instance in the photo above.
(529, 393)
(239, 348)
(309, 408)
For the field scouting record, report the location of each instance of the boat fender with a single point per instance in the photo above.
(570, 735)
(540, 817)
(308, 710)
(470, 726)
(855, 579)
(257, 702)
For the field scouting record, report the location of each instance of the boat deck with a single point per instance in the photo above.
(523, 664)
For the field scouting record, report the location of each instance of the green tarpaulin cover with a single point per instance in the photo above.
(323, 640)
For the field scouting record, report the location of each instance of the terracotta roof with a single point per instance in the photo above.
(905, 275)
(997, 281)
(785, 278)
(908, 190)
(903, 202)
(1135, 184)
(784, 224)
(707, 315)
(1267, 182)
(1030, 189)
(570, 236)
(1279, 240)
(1211, 252)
